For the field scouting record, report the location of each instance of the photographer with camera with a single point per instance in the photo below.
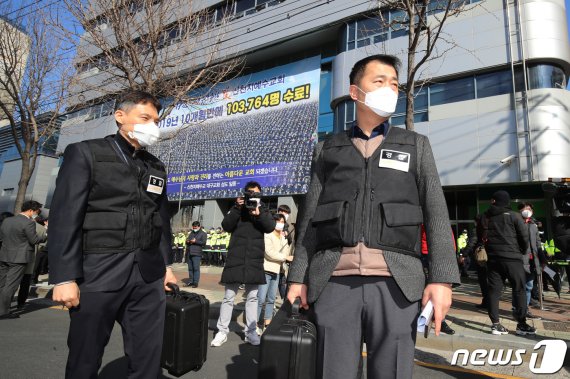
(248, 221)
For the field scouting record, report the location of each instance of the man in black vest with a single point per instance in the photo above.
(357, 255)
(110, 246)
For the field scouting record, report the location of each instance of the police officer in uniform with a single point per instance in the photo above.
(111, 242)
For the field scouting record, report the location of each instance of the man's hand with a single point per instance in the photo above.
(298, 290)
(66, 294)
(169, 278)
(440, 296)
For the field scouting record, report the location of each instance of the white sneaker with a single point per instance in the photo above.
(219, 339)
(252, 339)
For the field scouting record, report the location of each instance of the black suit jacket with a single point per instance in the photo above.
(94, 272)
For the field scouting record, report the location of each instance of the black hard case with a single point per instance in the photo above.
(288, 346)
(185, 341)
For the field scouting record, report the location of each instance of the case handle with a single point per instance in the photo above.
(174, 287)
(295, 308)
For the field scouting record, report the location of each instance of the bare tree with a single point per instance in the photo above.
(32, 86)
(166, 47)
(423, 21)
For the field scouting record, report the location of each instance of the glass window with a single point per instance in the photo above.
(368, 27)
(420, 107)
(398, 20)
(325, 91)
(493, 84)
(226, 10)
(326, 117)
(242, 5)
(350, 116)
(344, 115)
(401, 119)
(546, 76)
(452, 91)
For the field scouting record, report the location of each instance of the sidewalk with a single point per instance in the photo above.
(472, 325)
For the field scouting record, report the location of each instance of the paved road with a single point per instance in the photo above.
(34, 346)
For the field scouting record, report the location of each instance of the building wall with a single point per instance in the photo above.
(38, 187)
(469, 138)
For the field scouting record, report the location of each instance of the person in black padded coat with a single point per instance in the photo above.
(244, 264)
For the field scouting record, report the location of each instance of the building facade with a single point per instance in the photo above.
(493, 103)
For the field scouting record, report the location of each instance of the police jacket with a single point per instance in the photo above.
(246, 251)
(109, 210)
(507, 234)
(374, 200)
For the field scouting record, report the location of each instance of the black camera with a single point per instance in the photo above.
(251, 199)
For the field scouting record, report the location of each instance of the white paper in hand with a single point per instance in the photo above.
(425, 316)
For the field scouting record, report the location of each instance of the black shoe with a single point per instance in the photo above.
(481, 306)
(187, 284)
(524, 329)
(499, 329)
(530, 316)
(195, 285)
(446, 329)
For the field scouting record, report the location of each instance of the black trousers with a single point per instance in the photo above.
(24, 290)
(497, 271)
(483, 283)
(41, 265)
(138, 307)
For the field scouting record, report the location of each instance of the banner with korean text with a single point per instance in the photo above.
(260, 127)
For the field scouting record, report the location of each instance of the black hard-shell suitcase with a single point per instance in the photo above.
(288, 346)
(185, 341)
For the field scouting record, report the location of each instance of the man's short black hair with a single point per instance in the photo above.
(284, 208)
(196, 223)
(31, 205)
(251, 185)
(525, 204)
(131, 98)
(358, 69)
(279, 217)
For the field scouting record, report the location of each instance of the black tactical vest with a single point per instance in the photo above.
(122, 209)
(373, 200)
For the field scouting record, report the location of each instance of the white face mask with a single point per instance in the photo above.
(279, 226)
(145, 134)
(526, 213)
(381, 101)
(34, 216)
(286, 216)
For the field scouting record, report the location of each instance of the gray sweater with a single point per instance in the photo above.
(315, 268)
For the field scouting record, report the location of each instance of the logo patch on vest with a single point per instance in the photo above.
(397, 160)
(155, 185)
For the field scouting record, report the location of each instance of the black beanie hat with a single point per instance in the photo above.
(502, 198)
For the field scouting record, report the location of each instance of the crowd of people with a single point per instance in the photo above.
(256, 139)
